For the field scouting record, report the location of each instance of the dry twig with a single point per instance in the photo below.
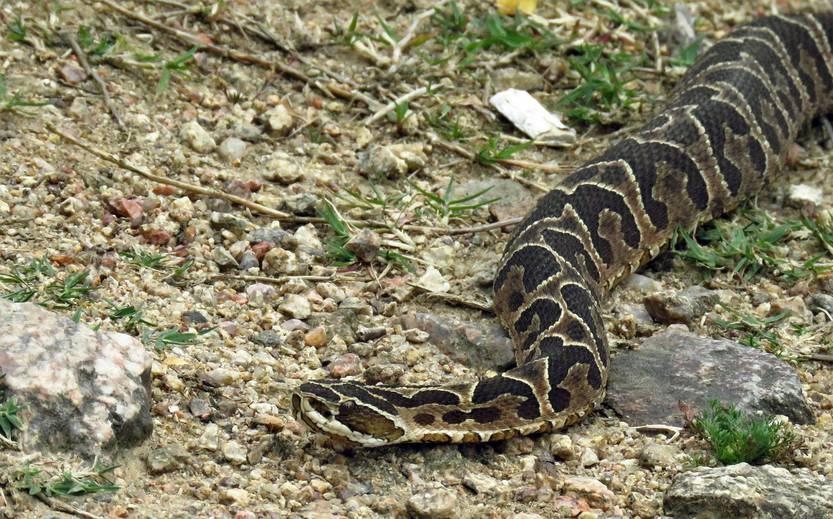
(388, 108)
(331, 89)
(85, 64)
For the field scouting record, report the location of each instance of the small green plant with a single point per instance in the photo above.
(685, 56)
(467, 37)
(23, 290)
(67, 293)
(335, 248)
(9, 421)
(35, 482)
(604, 77)
(172, 337)
(170, 68)
(490, 153)
(737, 437)
(95, 46)
(14, 101)
(758, 330)
(755, 247)
(401, 112)
(441, 120)
(445, 206)
(144, 259)
(16, 30)
(132, 317)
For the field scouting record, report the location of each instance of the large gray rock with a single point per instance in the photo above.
(743, 491)
(81, 390)
(675, 366)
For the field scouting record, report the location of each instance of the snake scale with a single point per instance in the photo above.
(724, 132)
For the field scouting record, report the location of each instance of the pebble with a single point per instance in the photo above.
(317, 337)
(196, 137)
(480, 483)
(641, 283)
(181, 209)
(231, 149)
(380, 163)
(268, 338)
(236, 496)
(681, 307)
(433, 504)
(561, 446)
(234, 453)
(248, 261)
(302, 204)
(280, 261)
(433, 281)
(345, 366)
(658, 455)
(819, 302)
(365, 245)
(296, 305)
(219, 377)
(282, 169)
(260, 293)
(589, 458)
(168, 458)
(593, 490)
(803, 194)
(279, 120)
(210, 437)
(200, 408)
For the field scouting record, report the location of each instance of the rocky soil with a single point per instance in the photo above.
(263, 193)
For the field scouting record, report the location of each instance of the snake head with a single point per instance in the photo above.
(337, 409)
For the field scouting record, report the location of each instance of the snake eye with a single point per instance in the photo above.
(347, 406)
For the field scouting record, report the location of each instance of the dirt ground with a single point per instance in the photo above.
(284, 105)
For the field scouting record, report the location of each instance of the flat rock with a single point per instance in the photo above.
(743, 491)
(475, 345)
(646, 384)
(82, 391)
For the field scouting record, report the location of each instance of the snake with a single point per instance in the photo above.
(724, 132)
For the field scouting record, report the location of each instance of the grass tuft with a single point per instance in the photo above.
(737, 437)
(9, 421)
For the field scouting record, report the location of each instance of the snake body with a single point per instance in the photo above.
(725, 131)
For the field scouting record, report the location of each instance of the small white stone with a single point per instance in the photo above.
(801, 194)
(436, 503)
(210, 438)
(181, 209)
(433, 281)
(279, 120)
(234, 453)
(196, 137)
(296, 306)
(282, 169)
(232, 148)
(589, 458)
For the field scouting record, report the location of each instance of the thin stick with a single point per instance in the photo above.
(486, 227)
(9, 444)
(242, 57)
(410, 34)
(85, 64)
(60, 506)
(388, 108)
(280, 215)
(267, 279)
(262, 209)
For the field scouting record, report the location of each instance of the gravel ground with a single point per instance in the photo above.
(240, 302)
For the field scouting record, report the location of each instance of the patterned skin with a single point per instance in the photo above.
(724, 133)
